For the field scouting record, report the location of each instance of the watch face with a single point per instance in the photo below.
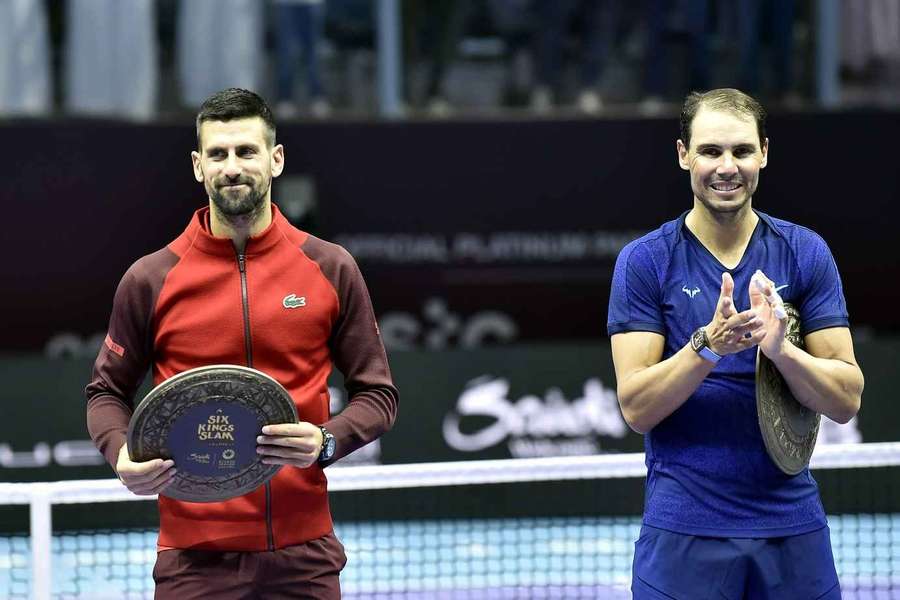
(328, 450)
(698, 340)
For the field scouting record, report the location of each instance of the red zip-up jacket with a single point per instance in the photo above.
(290, 306)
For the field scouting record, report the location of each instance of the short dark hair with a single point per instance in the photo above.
(725, 99)
(236, 103)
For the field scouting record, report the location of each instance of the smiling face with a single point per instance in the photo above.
(724, 159)
(236, 166)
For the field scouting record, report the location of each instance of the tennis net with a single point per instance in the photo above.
(524, 528)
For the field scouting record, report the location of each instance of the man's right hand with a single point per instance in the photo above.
(731, 331)
(144, 478)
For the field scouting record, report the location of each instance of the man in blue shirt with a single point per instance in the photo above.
(720, 519)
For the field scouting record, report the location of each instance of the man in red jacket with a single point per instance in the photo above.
(243, 286)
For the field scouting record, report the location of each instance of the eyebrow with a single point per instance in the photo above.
(212, 149)
(702, 147)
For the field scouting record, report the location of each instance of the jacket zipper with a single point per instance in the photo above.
(245, 303)
(248, 348)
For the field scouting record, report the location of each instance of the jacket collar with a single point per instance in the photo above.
(198, 231)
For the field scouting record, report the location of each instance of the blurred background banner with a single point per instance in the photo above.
(523, 401)
(468, 233)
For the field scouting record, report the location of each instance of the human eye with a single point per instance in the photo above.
(744, 151)
(710, 151)
(247, 152)
(215, 153)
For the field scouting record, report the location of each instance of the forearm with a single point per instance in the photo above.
(107, 423)
(369, 414)
(651, 394)
(828, 386)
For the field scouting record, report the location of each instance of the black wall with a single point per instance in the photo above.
(84, 199)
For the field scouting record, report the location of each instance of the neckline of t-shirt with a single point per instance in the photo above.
(757, 232)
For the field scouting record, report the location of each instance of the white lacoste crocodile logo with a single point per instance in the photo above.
(292, 301)
(690, 293)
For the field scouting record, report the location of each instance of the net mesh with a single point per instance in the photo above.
(545, 528)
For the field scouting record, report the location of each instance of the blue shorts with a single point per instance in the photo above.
(673, 565)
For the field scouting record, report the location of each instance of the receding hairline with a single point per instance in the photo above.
(747, 119)
(726, 100)
(268, 131)
(740, 115)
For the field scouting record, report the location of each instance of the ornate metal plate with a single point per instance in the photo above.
(206, 420)
(788, 428)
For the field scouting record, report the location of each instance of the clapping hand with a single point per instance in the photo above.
(766, 302)
(731, 331)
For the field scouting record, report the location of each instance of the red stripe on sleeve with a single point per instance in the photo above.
(114, 346)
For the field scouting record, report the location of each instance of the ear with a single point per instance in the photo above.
(277, 160)
(765, 153)
(198, 168)
(682, 151)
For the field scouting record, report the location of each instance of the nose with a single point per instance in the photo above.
(232, 167)
(727, 165)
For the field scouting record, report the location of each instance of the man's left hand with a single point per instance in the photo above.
(766, 302)
(296, 444)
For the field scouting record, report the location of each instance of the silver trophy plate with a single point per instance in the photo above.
(207, 420)
(788, 428)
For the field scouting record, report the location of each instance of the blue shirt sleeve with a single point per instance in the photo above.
(635, 299)
(822, 304)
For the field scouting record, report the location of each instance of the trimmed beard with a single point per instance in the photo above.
(240, 206)
(731, 209)
(727, 209)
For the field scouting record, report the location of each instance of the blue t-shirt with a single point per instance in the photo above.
(707, 468)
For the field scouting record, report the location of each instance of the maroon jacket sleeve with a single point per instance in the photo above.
(357, 351)
(126, 354)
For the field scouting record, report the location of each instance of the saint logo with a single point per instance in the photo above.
(690, 293)
(292, 301)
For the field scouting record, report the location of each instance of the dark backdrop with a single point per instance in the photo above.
(467, 232)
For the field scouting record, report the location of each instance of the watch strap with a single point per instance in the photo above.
(700, 345)
(709, 355)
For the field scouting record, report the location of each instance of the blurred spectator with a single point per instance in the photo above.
(111, 58)
(298, 28)
(25, 87)
(666, 19)
(776, 17)
(870, 35)
(351, 23)
(219, 45)
(598, 20)
(516, 24)
(431, 33)
(350, 28)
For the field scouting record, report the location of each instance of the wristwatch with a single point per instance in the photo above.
(328, 445)
(700, 345)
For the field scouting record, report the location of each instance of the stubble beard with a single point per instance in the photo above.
(239, 208)
(725, 211)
